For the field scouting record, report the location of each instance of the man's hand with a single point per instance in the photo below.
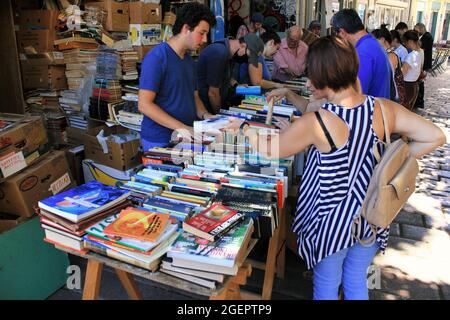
(189, 136)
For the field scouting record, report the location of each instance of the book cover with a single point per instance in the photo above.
(213, 222)
(138, 224)
(97, 231)
(83, 201)
(223, 252)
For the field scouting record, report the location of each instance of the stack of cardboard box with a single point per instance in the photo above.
(29, 172)
(142, 21)
(37, 32)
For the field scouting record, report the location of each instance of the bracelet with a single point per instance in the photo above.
(241, 127)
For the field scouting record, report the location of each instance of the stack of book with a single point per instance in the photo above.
(129, 61)
(66, 216)
(135, 236)
(80, 64)
(76, 42)
(56, 124)
(204, 262)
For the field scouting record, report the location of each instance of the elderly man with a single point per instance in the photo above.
(289, 62)
(426, 43)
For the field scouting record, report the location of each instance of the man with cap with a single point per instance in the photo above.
(289, 62)
(217, 65)
(256, 24)
(315, 27)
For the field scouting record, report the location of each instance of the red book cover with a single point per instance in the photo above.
(211, 218)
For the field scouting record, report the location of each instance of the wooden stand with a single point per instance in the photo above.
(276, 258)
(228, 290)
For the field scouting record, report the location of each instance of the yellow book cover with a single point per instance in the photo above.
(138, 224)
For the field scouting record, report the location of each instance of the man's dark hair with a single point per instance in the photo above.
(411, 35)
(382, 33)
(332, 51)
(347, 19)
(401, 26)
(191, 14)
(396, 36)
(270, 35)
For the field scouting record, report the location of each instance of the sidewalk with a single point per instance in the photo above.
(416, 264)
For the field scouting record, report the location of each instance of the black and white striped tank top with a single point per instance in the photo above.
(333, 188)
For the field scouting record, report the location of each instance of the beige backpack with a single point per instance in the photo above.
(392, 183)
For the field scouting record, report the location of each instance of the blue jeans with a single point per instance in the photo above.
(146, 145)
(347, 267)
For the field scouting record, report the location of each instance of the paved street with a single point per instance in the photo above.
(416, 264)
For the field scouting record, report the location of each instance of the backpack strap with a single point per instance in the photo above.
(387, 135)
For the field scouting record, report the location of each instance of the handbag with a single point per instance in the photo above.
(393, 181)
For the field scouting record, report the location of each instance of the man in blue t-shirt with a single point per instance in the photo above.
(374, 67)
(168, 96)
(215, 65)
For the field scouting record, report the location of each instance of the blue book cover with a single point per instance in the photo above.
(83, 201)
(167, 205)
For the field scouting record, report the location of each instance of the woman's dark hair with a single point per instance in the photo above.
(396, 36)
(332, 51)
(270, 35)
(401, 26)
(411, 35)
(234, 24)
(382, 33)
(191, 14)
(347, 19)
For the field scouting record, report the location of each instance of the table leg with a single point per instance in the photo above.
(129, 284)
(93, 280)
(271, 261)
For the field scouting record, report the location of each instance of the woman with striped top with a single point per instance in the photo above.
(340, 163)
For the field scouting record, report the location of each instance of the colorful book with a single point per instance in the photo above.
(223, 252)
(138, 224)
(212, 223)
(97, 231)
(84, 201)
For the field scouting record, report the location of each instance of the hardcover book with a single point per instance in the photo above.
(83, 201)
(212, 223)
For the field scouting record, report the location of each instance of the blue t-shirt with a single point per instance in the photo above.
(213, 70)
(173, 80)
(244, 75)
(374, 67)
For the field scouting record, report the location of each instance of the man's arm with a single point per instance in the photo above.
(202, 113)
(214, 98)
(148, 107)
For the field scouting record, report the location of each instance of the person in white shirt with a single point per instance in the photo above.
(412, 67)
(399, 49)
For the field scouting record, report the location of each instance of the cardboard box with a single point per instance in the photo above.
(120, 156)
(9, 221)
(169, 18)
(44, 58)
(21, 144)
(118, 14)
(145, 13)
(106, 175)
(51, 77)
(75, 136)
(40, 40)
(49, 176)
(142, 51)
(38, 19)
(144, 34)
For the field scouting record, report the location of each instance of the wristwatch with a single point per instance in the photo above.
(241, 127)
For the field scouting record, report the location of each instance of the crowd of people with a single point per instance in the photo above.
(351, 73)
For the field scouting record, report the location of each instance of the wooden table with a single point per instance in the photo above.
(229, 289)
